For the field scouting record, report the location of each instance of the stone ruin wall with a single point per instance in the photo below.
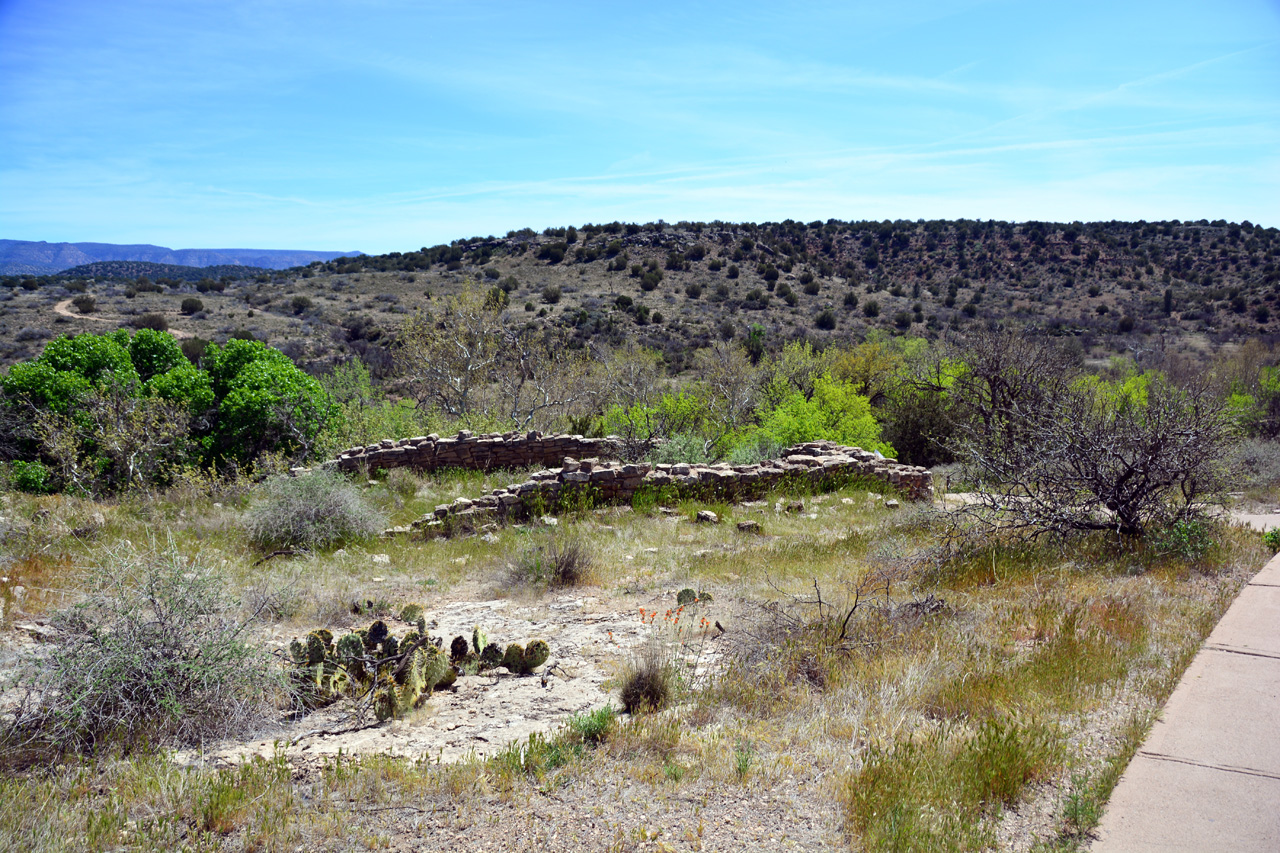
(483, 452)
(813, 464)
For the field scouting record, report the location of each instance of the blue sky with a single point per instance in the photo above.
(388, 125)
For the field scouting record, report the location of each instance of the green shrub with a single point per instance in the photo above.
(753, 449)
(594, 727)
(264, 402)
(183, 384)
(191, 305)
(835, 411)
(927, 794)
(153, 353)
(33, 477)
(403, 483)
(1272, 538)
(1187, 539)
(364, 416)
(684, 447)
(315, 510)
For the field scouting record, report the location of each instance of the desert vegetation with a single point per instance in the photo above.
(204, 649)
(1111, 286)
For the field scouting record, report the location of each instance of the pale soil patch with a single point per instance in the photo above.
(589, 639)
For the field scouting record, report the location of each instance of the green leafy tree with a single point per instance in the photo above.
(153, 353)
(111, 412)
(264, 402)
(98, 358)
(835, 411)
(186, 386)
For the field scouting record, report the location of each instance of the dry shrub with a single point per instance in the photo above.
(315, 510)
(152, 656)
(649, 682)
(33, 584)
(807, 643)
(403, 482)
(558, 563)
(1256, 462)
(773, 659)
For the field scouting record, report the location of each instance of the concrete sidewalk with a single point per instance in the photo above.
(1207, 778)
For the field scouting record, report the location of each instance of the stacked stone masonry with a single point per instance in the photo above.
(815, 464)
(483, 452)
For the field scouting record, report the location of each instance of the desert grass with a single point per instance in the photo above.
(960, 691)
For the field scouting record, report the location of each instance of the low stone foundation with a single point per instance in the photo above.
(589, 482)
(484, 452)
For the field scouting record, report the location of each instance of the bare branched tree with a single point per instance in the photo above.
(627, 376)
(732, 385)
(1055, 453)
(539, 377)
(449, 355)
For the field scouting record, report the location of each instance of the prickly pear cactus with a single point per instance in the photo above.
(349, 654)
(435, 664)
(536, 654)
(386, 699)
(315, 648)
(397, 674)
(491, 656)
(523, 660)
(377, 633)
(411, 613)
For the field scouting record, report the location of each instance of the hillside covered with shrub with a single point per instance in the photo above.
(1115, 287)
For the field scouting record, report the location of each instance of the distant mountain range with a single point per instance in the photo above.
(25, 257)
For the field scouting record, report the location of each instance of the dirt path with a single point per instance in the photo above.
(64, 308)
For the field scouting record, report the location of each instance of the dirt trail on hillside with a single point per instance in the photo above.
(64, 308)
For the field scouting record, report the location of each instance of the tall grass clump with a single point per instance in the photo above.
(928, 793)
(316, 510)
(153, 655)
(649, 681)
(556, 563)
